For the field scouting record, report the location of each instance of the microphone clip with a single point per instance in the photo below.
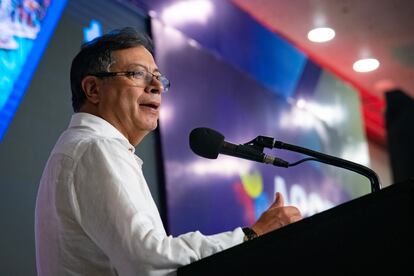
(261, 142)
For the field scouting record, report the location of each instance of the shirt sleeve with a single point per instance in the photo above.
(112, 206)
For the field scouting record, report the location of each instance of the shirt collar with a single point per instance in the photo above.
(100, 127)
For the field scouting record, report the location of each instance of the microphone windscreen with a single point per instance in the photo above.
(206, 142)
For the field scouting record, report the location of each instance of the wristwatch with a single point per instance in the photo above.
(249, 234)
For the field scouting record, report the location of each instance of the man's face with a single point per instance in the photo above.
(133, 109)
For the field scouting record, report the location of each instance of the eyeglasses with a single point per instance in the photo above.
(140, 78)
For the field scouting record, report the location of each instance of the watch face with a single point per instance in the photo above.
(249, 234)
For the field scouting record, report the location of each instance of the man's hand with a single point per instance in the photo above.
(276, 216)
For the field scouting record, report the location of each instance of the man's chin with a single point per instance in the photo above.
(153, 126)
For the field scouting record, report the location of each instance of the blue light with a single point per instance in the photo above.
(93, 31)
(22, 45)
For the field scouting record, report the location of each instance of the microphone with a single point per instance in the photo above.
(209, 143)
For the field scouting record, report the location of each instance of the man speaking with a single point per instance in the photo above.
(94, 211)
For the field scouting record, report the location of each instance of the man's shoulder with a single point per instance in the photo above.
(74, 143)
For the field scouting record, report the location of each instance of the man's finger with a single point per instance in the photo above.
(279, 201)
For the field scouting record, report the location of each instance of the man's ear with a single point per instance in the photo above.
(90, 88)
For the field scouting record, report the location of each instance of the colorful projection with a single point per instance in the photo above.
(26, 27)
(302, 104)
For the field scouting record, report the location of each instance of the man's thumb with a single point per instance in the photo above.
(279, 201)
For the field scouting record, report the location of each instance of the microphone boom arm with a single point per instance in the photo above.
(267, 142)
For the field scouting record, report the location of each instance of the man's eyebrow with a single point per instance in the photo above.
(134, 65)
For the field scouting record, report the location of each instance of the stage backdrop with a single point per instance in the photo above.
(301, 104)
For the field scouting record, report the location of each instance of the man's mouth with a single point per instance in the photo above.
(152, 105)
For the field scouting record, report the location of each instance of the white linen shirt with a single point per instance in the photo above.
(95, 214)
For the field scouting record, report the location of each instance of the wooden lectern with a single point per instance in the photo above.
(371, 234)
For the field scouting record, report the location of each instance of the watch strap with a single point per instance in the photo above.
(249, 233)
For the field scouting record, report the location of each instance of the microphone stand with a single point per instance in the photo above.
(261, 142)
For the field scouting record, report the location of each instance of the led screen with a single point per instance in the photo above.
(217, 195)
(26, 27)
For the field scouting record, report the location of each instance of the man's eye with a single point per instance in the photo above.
(138, 74)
